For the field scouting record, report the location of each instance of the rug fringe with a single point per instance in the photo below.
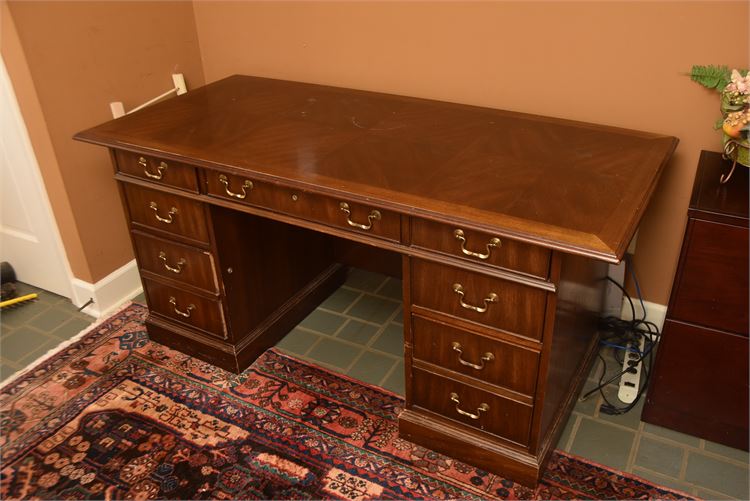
(60, 347)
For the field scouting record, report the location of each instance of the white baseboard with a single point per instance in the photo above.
(655, 313)
(110, 292)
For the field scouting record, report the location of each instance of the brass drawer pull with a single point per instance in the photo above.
(487, 357)
(491, 298)
(174, 269)
(247, 185)
(482, 408)
(374, 216)
(159, 170)
(185, 314)
(494, 242)
(170, 215)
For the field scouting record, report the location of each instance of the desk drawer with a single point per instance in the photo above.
(343, 213)
(490, 301)
(166, 212)
(471, 406)
(490, 360)
(157, 170)
(178, 262)
(480, 247)
(187, 308)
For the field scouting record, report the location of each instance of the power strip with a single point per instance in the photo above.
(630, 380)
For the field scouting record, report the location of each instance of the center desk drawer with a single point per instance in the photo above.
(480, 247)
(361, 218)
(187, 308)
(166, 212)
(490, 360)
(185, 264)
(494, 302)
(472, 406)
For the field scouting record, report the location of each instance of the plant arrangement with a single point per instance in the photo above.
(734, 89)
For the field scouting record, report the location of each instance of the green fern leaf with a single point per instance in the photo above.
(712, 77)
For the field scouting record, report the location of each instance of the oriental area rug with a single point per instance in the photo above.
(114, 416)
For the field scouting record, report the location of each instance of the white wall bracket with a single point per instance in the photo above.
(178, 79)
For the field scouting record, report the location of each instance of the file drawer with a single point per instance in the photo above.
(190, 309)
(494, 302)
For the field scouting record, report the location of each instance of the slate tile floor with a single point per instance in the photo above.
(358, 331)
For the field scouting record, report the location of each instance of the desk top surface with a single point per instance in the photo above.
(568, 185)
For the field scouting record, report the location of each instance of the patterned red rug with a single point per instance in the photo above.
(114, 416)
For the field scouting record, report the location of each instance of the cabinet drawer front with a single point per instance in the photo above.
(342, 213)
(491, 360)
(712, 288)
(474, 407)
(186, 308)
(167, 212)
(494, 302)
(178, 262)
(157, 170)
(480, 247)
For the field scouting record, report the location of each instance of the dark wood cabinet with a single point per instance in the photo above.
(700, 380)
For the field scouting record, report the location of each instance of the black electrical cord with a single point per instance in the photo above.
(618, 334)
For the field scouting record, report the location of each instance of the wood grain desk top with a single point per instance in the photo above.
(567, 185)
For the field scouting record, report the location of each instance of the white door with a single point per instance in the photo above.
(29, 238)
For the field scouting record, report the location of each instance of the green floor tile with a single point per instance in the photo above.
(298, 341)
(7, 370)
(372, 367)
(590, 405)
(51, 319)
(357, 332)
(322, 321)
(364, 280)
(562, 442)
(373, 309)
(711, 495)
(340, 300)
(393, 288)
(24, 340)
(603, 443)
(671, 434)
(395, 381)
(71, 328)
(37, 350)
(333, 352)
(19, 315)
(391, 340)
(717, 475)
(729, 452)
(140, 298)
(660, 457)
(659, 479)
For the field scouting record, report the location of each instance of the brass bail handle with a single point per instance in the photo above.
(159, 169)
(373, 216)
(174, 269)
(461, 237)
(185, 314)
(247, 185)
(487, 357)
(491, 298)
(483, 407)
(170, 215)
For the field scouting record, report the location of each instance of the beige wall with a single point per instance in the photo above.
(617, 63)
(607, 62)
(67, 61)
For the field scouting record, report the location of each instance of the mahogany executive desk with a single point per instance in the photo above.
(247, 195)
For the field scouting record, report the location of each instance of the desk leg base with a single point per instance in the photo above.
(489, 455)
(236, 357)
